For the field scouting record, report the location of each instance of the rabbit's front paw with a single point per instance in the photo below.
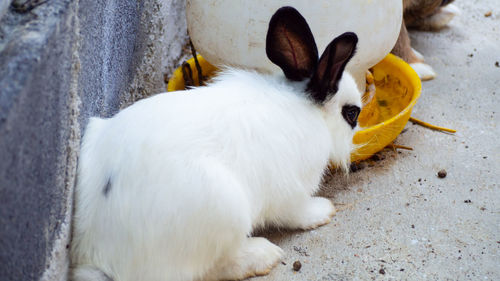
(316, 212)
(256, 257)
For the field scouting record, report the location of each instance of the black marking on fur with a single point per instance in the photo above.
(290, 44)
(324, 82)
(350, 114)
(107, 188)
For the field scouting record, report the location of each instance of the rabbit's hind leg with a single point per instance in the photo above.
(242, 256)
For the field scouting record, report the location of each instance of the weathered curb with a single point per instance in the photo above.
(61, 63)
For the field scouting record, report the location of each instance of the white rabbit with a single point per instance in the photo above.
(172, 187)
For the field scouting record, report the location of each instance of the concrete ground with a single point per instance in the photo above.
(396, 219)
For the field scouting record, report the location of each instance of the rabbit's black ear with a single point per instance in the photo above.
(337, 54)
(290, 44)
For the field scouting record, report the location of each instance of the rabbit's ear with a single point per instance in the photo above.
(290, 44)
(337, 54)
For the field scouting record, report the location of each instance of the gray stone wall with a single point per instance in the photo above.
(60, 63)
(4, 7)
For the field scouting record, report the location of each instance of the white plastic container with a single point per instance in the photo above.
(233, 32)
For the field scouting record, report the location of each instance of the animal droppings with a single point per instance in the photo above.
(297, 266)
(442, 174)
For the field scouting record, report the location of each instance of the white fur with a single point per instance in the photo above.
(193, 173)
(418, 54)
(424, 71)
(452, 9)
(441, 18)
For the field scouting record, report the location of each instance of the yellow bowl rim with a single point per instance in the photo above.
(415, 82)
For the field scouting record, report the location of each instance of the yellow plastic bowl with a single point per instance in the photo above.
(397, 89)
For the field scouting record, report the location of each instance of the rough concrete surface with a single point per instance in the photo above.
(163, 27)
(396, 219)
(34, 182)
(61, 63)
(4, 6)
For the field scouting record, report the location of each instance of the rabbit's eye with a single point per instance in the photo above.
(350, 114)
